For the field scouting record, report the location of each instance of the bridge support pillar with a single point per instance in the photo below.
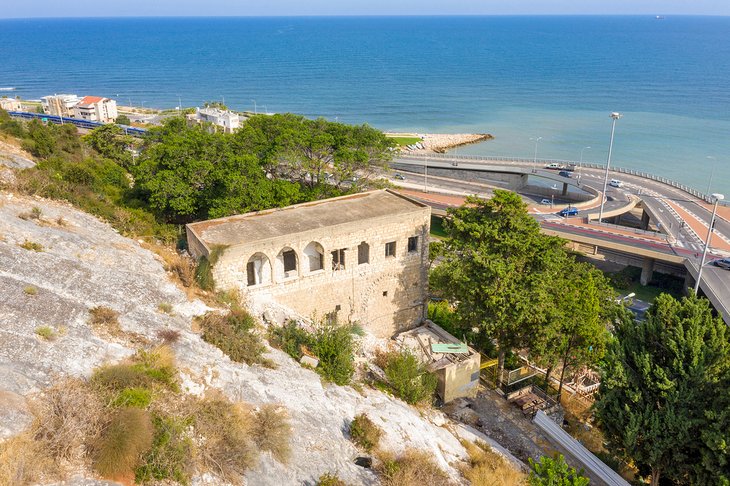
(689, 282)
(644, 220)
(647, 271)
(565, 188)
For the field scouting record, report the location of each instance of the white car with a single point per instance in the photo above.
(545, 201)
(554, 166)
(616, 183)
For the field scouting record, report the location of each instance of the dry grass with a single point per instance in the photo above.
(365, 433)
(31, 246)
(68, 416)
(168, 336)
(23, 461)
(181, 267)
(329, 479)
(578, 413)
(412, 468)
(224, 431)
(34, 213)
(272, 431)
(105, 318)
(154, 369)
(165, 307)
(46, 332)
(487, 468)
(119, 450)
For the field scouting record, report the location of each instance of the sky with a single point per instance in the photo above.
(164, 8)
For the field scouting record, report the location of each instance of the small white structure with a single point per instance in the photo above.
(97, 109)
(225, 119)
(60, 104)
(10, 104)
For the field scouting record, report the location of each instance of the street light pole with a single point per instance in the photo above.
(535, 157)
(425, 174)
(712, 174)
(717, 198)
(615, 116)
(580, 163)
(255, 111)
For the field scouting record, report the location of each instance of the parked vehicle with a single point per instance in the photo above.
(571, 167)
(616, 183)
(568, 212)
(722, 263)
(553, 166)
(546, 201)
(399, 177)
(565, 173)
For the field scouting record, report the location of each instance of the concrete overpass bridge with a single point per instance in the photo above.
(674, 219)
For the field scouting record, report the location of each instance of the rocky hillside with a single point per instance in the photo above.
(57, 263)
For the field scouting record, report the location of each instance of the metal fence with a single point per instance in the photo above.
(522, 160)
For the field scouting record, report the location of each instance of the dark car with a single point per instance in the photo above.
(568, 212)
(722, 263)
(565, 173)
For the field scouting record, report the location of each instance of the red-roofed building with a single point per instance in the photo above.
(96, 108)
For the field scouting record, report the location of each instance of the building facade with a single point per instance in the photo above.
(97, 109)
(226, 120)
(10, 104)
(363, 257)
(60, 104)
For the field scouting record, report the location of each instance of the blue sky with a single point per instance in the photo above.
(115, 8)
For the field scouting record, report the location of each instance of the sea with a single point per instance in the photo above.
(519, 78)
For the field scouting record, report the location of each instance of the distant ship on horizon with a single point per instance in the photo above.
(660, 17)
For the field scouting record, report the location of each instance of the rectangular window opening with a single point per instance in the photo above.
(390, 249)
(338, 260)
(290, 261)
(413, 244)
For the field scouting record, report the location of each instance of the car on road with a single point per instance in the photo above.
(568, 212)
(399, 177)
(722, 263)
(553, 166)
(565, 173)
(616, 183)
(546, 201)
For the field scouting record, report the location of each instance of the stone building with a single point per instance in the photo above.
(363, 256)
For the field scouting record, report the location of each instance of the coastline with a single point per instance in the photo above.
(440, 143)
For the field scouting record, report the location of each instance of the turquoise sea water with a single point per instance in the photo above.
(515, 77)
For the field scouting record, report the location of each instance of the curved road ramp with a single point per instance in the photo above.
(589, 462)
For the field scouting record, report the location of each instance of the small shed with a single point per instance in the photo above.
(455, 364)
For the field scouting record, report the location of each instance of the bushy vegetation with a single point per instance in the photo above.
(487, 468)
(124, 440)
(555, 472)
(330, 479)
(170, 455)
(365, 433)
(46, 332)
(31, 246)
(331, 343)
(412, 468)
(235, 334)
(407, 377)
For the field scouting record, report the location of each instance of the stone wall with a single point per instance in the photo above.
(385, 295)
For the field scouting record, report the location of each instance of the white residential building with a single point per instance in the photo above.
(10, 104)
(227, 120)
(97, 109)
(60, 104)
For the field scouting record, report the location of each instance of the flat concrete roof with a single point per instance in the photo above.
(271, 223)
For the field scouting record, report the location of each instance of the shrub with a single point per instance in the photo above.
(555, 472)
(146, 369)
(272, 432)
(133, 397)
(290, 338)
(170, 456)
(487, 468)
(34, 213)
(335, 347)
(365, 433)
(225, 446)
(31, 246)
(46, 333)
(30, 290)
(183, 268)
(104, 317)
(168, 336)
(412, 468)
(233, 334)
(329, 479)
(69, 417)
(165, 307)
(408, 377)
(23, 461)
(125, 439)
(158, 365)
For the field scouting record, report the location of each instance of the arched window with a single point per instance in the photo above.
(363, 253)
(314, 254)
(258, 270)
(286, 264)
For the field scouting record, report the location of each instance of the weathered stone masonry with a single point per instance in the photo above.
(364, 256)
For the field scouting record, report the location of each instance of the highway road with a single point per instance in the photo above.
(681, 216)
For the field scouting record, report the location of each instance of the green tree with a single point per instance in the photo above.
(111, 142)
(494, 267)
(574, 333)
(123, 120)
(555, 472)
(663, 396)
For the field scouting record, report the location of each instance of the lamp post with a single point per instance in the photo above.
(425, 174)
(580, 163)
(255, 111)
(717, 198)
(615, 116)
(534, 160)
(552, 195)
(712, 174)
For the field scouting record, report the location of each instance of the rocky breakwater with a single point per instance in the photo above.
(441, 142)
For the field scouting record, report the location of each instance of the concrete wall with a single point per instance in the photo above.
(459, 379)
(386, 295)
